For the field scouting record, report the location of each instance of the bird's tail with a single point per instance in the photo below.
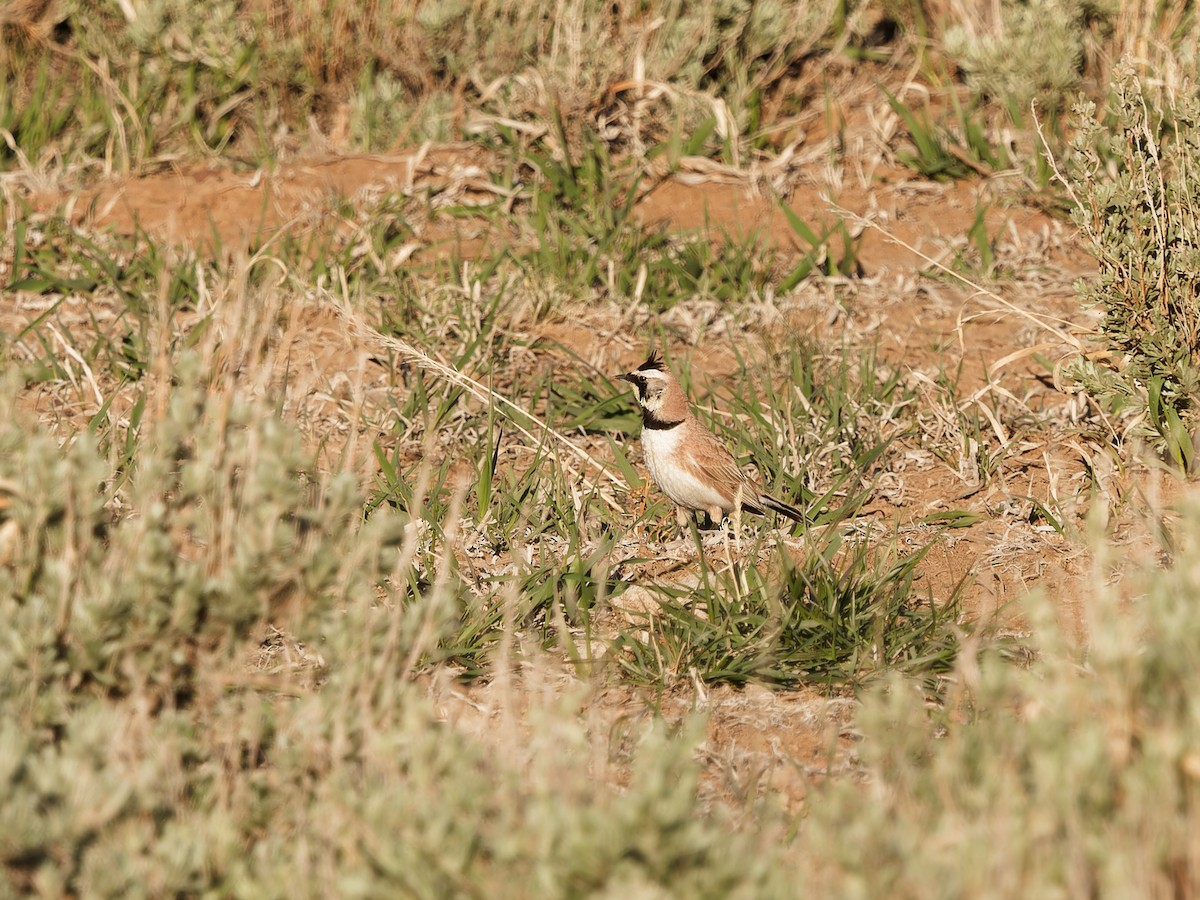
(784, 509)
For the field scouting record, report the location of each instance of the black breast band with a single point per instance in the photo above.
(659, 425)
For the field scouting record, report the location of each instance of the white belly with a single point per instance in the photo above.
(684, 489)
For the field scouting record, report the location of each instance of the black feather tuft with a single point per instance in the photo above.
(652, 362)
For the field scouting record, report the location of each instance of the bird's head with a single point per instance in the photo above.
(658, 390)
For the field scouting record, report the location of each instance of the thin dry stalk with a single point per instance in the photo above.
(480, 391)
(1046, 322)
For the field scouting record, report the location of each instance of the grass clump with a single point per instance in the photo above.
(957, 147)
(575, 230)
(1138, 204)
(583, 224)
(831, 617)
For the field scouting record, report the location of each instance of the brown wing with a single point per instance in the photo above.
(716, 465)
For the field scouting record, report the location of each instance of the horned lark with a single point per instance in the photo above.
(686, 460)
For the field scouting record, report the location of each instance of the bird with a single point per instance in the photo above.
(688, 462)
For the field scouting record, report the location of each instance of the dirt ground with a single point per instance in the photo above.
(922, 320)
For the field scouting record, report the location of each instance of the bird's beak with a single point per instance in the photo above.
(625, 376)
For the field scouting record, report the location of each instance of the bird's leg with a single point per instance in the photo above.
(735, 516)
(679, 544)
(717, 517)
(681, 519)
